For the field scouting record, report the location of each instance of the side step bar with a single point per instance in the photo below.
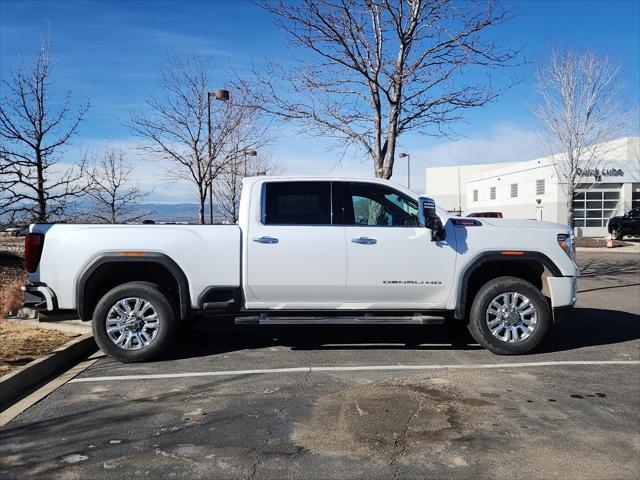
(265, 319)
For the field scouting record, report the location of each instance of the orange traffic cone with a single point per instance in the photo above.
(609, 241)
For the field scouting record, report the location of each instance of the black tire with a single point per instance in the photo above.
(166, 317)
(480, 330)
(616, 233)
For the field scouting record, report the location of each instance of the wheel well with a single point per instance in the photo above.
(532, 271)
(111, 274)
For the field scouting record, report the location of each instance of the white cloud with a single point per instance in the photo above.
(505, 143)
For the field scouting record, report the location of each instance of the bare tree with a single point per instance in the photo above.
(228, 185)
(34, 183)
(175, 126)
(581, 108)
(375, 69)
(115, 197)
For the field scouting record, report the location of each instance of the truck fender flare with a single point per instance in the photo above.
(496, 256)
(146, 257)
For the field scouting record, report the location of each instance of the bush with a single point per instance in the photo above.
(10, 297)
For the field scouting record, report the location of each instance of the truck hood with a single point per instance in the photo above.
(511, 223)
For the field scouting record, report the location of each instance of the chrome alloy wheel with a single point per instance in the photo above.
(132, 323)
(511, 317)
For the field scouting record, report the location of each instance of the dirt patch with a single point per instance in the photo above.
(386, 421)
(21, 344)
(589, 242)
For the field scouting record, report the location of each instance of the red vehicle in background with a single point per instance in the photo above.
(486, 215)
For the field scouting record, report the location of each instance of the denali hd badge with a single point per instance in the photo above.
(411, 282)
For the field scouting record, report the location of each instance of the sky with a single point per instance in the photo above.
(107, 52)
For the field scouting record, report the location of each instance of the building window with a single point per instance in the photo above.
(595, 208)
(514, 190)
(475, 195)
(492, 193)
(540, 187)
(635, 196)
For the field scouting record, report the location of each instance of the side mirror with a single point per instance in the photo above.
(429, 218)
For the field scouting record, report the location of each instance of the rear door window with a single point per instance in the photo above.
(297, 203)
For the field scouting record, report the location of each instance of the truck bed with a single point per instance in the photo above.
(207, 254)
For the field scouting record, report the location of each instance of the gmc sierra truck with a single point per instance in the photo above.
(310, 251)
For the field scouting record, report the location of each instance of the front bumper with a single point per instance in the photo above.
(38, 296)
(563, 293)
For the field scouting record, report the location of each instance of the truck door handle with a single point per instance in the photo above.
(364, 240)
(266, 240)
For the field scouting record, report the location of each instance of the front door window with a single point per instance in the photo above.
(377, 205)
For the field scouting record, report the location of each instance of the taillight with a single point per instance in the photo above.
(33, 244)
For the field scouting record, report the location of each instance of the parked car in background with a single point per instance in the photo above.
(625, 225)
(485, 215)
(16, 231)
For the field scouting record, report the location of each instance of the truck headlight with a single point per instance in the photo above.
(565, 240)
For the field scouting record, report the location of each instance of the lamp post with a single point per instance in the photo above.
(222, 95)
(248, 153)
(402, 155)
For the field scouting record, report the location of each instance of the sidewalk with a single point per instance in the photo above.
(626, 249)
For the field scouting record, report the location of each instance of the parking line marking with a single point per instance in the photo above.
(222, 373)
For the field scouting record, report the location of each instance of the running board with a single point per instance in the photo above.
(264, 319)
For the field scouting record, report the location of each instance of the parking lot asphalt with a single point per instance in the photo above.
(357, 402)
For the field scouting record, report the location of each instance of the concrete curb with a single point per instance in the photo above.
(632, 249)
(19, 383)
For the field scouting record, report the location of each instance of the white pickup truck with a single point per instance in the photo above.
(308, 250)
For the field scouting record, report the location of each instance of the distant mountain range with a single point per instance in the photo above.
(164, 212)
(175, 212)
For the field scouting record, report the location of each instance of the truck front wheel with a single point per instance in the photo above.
(134, 322)
(616, 233)
(509, 316)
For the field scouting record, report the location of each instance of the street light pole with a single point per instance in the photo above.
(248, 153)
(222, 95)
(402, 155)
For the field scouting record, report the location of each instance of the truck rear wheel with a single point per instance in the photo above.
(509, 316)
(134, 322)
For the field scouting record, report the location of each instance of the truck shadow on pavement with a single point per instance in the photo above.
(583, 327)
(209, 338)
(589, 327)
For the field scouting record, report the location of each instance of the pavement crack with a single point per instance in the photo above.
(269, 435)
(400, 442)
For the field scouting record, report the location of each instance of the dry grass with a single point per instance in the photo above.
(12, 273)
(21, 344)
(10, 297)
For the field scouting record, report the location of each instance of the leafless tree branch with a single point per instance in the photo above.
(581, 108)
(175, 125)
(115, 197)
(376, 69)
(33, 184)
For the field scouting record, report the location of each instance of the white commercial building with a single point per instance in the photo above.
(533, 189)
